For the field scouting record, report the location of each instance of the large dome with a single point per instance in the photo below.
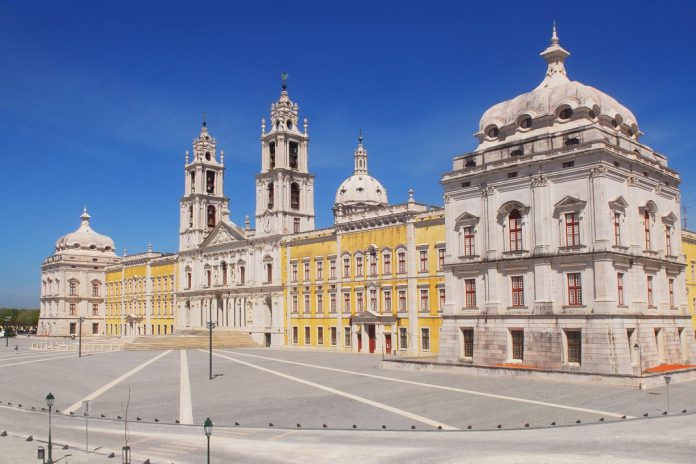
(558, 99)
(85, 238)
(360, 190)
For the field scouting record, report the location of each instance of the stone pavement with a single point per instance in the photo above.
(16, 450)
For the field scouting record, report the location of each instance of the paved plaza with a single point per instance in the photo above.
(333, 406)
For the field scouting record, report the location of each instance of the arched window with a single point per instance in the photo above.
(190, 216)
(294, 154)
(515, 224)
(193, 181)
(224, 273)
(269, 272)
(295, 196)
(188, 277)
(211, 216)
(210, 181)
(242, 275)
(271, 151)
(270, 195)
(646, 225)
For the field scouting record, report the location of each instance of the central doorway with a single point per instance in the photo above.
(371, 336)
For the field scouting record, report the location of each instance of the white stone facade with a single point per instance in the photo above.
(563, 238)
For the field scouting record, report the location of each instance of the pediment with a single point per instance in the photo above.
(670, 217)
(223, 232)
(569, 202)
(619, 203)
(465, 219)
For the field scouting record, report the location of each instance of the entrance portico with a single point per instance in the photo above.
(373, 332)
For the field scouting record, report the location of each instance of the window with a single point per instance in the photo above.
(617, 229)
(296, 225)
(359, 298)
(401, 256)
(306, 302)
(517, 291)
(211, 216)
(373, 263)
(224, 273)
(668, 240)
(424, 300)
(403, 338)
(646, 227)
(650, 291)
(470, 293)
(307, 335)
(210, 181)
(242, 275)
(386, 263)
(358, 266)
(191, 215)
(320, 270)
(425, 338)
(332, 269)
(320, 335)
(565, 113)
(95, 309)
(574, 289)
(469, 248)
(387, 301)
(209, 277)
(95, 288)
(568, 164)
(294, 272)
(73, 288)
(269, 272)
(574, 340)
(468, 343)
(332, 303)
(193, 184)
(515, 223)
(294, 196)
(670, 286)
(373, 300)
(441, 294)
(73, 328)
(73, 309)
(423, 260)
(320, 302)
(294, 154)
(294, 303)
(95, 328)
(440, 258)
(346, 267)
(332, 334)
(188, 279)
(346, 302)
(402, 300)
(271, 151)
(295, 335)
(517, 337)
(271, 195)
(346, 336)
(306, 271)
(572, 227)
(620, 289)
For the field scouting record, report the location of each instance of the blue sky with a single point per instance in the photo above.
(100, 100)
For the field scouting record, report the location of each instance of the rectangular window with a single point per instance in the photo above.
(387, 263)
(425, 338)
(402, 300)
(306, 271)
(517, 291)
(373, 300)
(73, 309)
(73, 328)
(320, 302)
(620, 289)
(441, 295)
(423, 260)
(671, 292)
(346, 302)
(650, 291)
(307, 335)
(333, 336)
(359, 298)
(515, 224)
(617, 229)
(574, 346)
(424, 300)
(95, 309)
(646, 227)
(306, 302)
(440, 258)
(468, 343)
(95, 328)
(242, 275)
(295, 335)
(320, 270)
(95, 288)
(346, 267)
(73, 288)
(668, 240)
(470, 293)
(294, 303)
(294, 272)
(574, 289)
(358, 266)
(572, 227)
(373, 263)
(402, 262)
(387, 301)
(320, 335)
(469, 246)
(403, 338)
(296, 224)
(346, 336)
(517, 337)
(332, 269)
(332, 307)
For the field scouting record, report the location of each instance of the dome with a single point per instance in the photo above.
(85, 238)
(554, 97)
(361, 189)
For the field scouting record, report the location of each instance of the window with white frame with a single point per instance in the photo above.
(572, 229)
(441, 298)
(617, 228)
(401, 256)
(346, 267)
(346, 336)
(620, 289)
(517, 290)
(320, 269)
(332, 331)
(425, 338)
(469, 241)
(307, 335)
(515, 230)
(403, 338)
(320, 335)
(332, 303)
(294, 272)
(373, 300)
(668, 240)
(346, 302)
(332, 269)
(470, 293)
(320, 302)
(373, 262)
(359, 301)
(386, 263)
(440, 258)
(402, 300)
(387, 301)
(423, 260)
(295, 335)
(306, 302)
(358, 266)
(574, 289)
(306, 271)
(424, 300)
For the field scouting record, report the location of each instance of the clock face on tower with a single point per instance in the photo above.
(267, 222)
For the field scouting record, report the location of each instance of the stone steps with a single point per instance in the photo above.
(192, 339)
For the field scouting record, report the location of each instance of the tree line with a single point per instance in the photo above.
(19, 317)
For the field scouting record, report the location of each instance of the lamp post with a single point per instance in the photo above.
(210, 324)
(668, 379)
(79, 342)
(636, 348)
(50, 400)
(7, 330)
(126, 454)
(208, 429)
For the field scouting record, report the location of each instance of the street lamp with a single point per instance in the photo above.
(7, 330)
(79, 343)
(208, 428)
(668, 379)
(210, 324)
(636, 348)
(50, 400)
(126, 455)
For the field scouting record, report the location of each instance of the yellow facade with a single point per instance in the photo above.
(689, 250)
(367, 286)
(141, 295)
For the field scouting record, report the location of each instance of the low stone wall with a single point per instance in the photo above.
(86, 347)
(645, 381)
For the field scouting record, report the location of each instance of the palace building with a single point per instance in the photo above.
(563, 238)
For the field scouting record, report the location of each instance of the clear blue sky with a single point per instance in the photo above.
(100, 100)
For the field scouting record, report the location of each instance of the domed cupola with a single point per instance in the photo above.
(360, 191)
(557, 103)
(85, 240)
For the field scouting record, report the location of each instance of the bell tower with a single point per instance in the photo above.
(284, 187)
(204, 203)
